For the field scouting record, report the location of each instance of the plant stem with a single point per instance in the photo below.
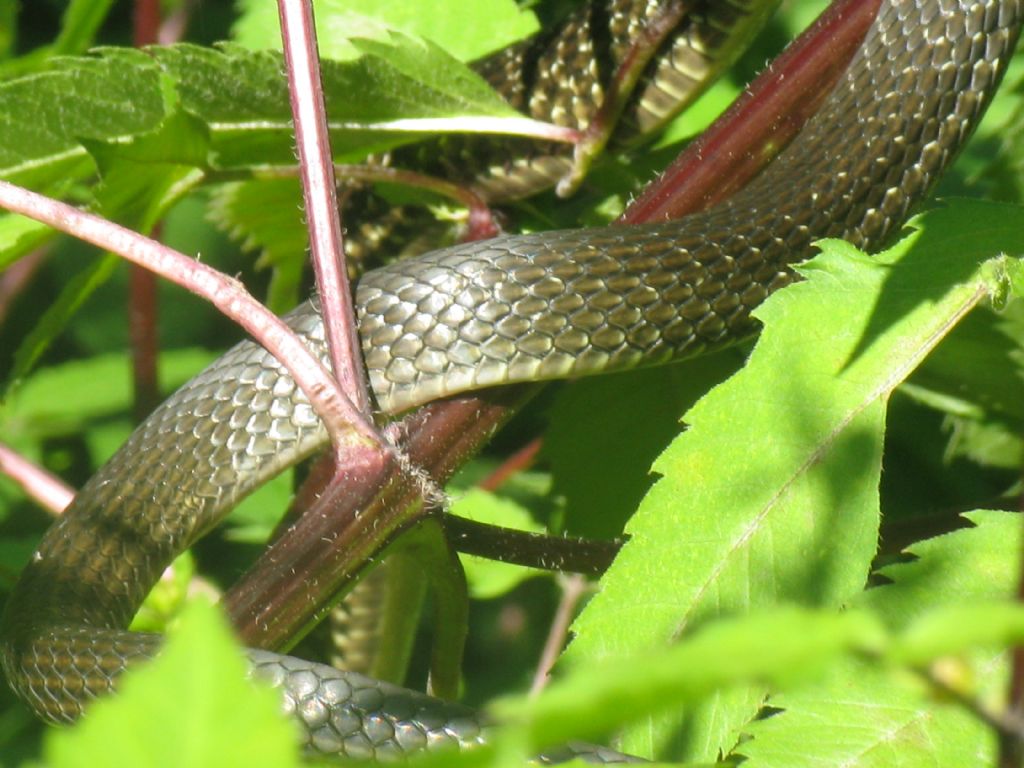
(574, 586)
(762, 121)
(341, 420)
(143, 315)
(47, 490)
(316, 166)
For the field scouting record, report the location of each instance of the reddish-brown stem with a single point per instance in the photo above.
(143, 319)
(318, 189)
(145, 22)
(294, 581)
(48, 491)
(762, 121)
(143, 334)
(520, 460)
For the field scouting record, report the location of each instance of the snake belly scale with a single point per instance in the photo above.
(517, 308)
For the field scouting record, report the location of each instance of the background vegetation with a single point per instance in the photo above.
(821, 568)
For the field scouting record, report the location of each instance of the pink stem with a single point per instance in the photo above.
(47, 490)
(341, 419)
(574, 586)
(319, 192)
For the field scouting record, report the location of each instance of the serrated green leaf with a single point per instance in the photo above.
(43, 116)
(189, 708)
(864, 716)
(606, 432)
(861, 716)
(466, 30)
(264, 215)
(434, 68)
(783, 646)
(241, 99)
(772, 494)
(146, 174)
(969, 566)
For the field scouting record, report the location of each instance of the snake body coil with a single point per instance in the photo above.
(517, 308)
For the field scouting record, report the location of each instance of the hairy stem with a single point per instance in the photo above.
(305, 90)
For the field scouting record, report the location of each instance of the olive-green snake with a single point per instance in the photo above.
(512, 309)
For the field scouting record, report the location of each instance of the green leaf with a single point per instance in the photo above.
(772, 494)
(861, 716)
(189, 708)
(239, 97)
(466, 30)
(864, 716)
(43, 116)
(242, 98)
(606, 432)
(783, 646)
(971, 566)
(264, 214)
(435, 69)
(146, 174)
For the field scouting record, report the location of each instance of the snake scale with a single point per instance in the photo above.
(512, 309)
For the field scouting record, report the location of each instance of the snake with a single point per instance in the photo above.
(562, 75)
(517, 308)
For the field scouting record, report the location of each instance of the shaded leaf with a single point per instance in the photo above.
(606, 432)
